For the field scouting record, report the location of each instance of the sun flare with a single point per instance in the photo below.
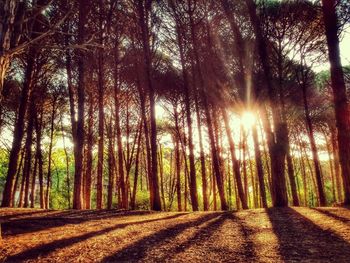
(248, 119)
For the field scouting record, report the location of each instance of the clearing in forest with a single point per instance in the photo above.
(272, 235)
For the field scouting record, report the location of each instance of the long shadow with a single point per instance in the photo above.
(16, 215)
(246, 251)
(45, 249)
(138, 250)
(337, 217)
(201, 236)
(37, 223)
(300, 239)
(247, 248)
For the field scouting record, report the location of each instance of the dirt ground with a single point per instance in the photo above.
(259, 235)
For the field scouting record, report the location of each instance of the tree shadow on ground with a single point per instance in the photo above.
(300, 239)
(138, 250)
(45, 249)
(6, 217)
(155, 245)
(248, 247)
(30, 224)
(330, 214)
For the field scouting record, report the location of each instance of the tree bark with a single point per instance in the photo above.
(259, 166)
(277, 141)
(144, 10)
(19, 130)
(80, 132)
(235, 163)
(193, 181)
(99, 197)
(121, 179)
(28, 150)
(310, 132)
(339, 92)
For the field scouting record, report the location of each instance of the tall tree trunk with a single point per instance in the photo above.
(99, 197)
(193, 181)
(339, 92)
(161, 172)
(215, 158)
(202, 157)
(19, 130)
(277, 144)
(28, 149)
(336, 163)
(144, 10)
(137, 164)
(310, 131)
(259, 166)
(111, 166)
(48, 182)
(39, 156)
(121, 180)
(89, 157)
(235, 163)
(67, 164)
(17, 179)
(80, 132)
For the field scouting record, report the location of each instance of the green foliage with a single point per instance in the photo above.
(3, 167)
(142, 200)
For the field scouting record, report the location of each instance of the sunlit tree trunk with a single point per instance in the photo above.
(19, 130)
(310, 132)
(202, 157)
(48, 182)
(121, 178)
(336, 164)
(259, 166)
(177, 162)
(144, 8)
(161, 172)
(67, 164)
(111, 165)
(193, 182)
(277, 142)
(137, 167)
(339, 92)
(28, 149)
(17, 180)
(235, 162)
(89, 144)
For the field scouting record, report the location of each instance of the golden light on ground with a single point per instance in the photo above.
(248, 119)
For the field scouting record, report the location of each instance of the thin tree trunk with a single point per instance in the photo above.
(48, 182)
(99, 197)
(336, 164)
(259, 166)
(17, 179)
(193, 182)
(18, 131)
(235, 163)
(317, 165)
(111, 166)
(121, 179)
(136, 173)
(28, 149)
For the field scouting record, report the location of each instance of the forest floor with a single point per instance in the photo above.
(259, 235)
